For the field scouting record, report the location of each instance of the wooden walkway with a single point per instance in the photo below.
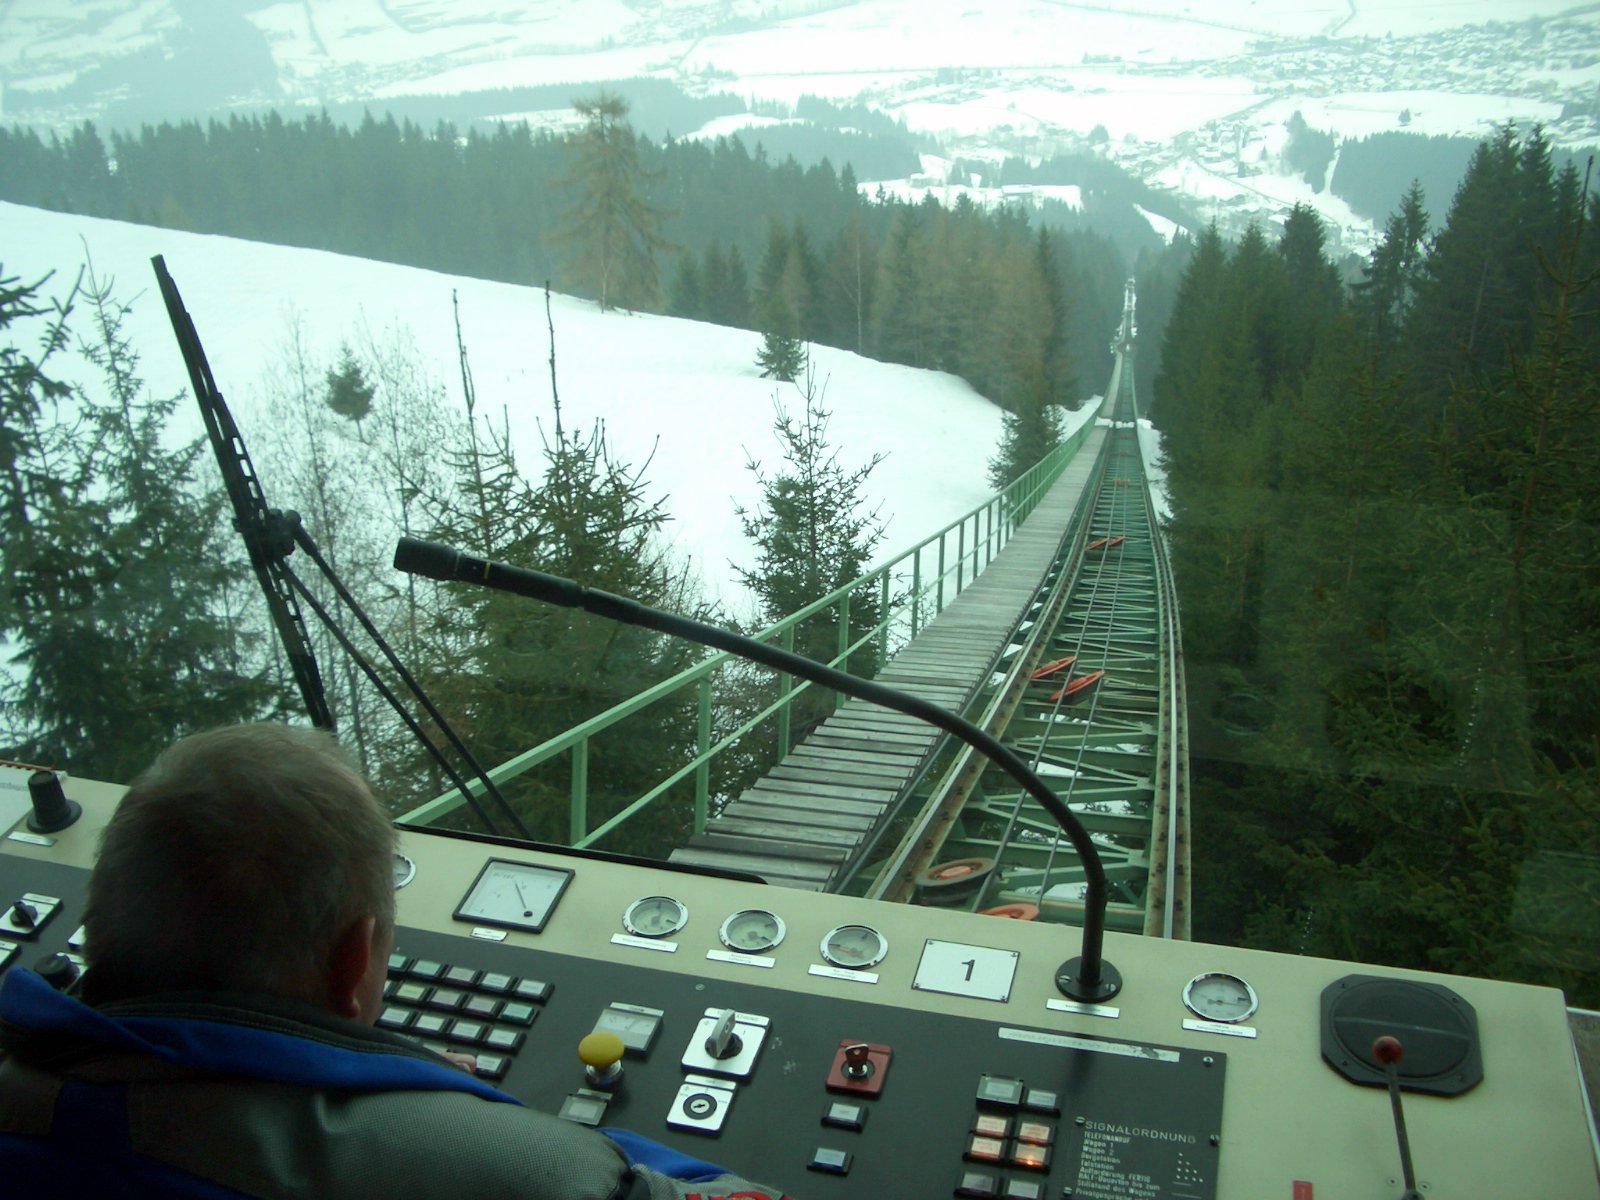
(801, 823)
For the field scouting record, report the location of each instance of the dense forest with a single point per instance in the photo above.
(490, 204)
(1386, 534)
(1371, 173)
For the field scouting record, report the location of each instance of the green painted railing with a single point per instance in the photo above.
(911, 590)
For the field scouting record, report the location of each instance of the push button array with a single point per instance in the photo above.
(460, 1008)
(1006, 1133)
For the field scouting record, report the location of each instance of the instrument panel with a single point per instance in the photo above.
(836, 1046)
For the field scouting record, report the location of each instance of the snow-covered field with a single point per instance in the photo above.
(684, 395)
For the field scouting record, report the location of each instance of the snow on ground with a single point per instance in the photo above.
(1166, 228)
(735, 123)
(686, 392)
(1360, 114)
(1149, 107)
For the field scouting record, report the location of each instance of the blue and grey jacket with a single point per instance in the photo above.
(213, 1096)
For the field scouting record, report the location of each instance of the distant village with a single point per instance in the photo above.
(1218, 165)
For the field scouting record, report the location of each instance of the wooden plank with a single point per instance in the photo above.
(768, 866)
(778, 832)
(883, 759)
(837, 764)
(804, 785)
(791, 815)
(798, 852)
(774, 873)
(766, 792)
(756, 821)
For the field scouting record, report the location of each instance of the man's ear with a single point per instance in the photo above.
(349, 965)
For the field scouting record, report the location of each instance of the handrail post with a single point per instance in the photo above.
(785, 682)
(916, 592)
(842, 655)
(579, 814)
(702, 744)
(940, 608)
(961, 553)
(883, 618)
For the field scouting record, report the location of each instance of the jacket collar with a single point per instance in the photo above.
(255, 1037)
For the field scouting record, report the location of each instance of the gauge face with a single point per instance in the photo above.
(514, 895)
(404, 871)
(855, 947)
(752, 931)
(1218, 996)
(655, 916)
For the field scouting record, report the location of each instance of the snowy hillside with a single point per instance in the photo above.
(684, 392)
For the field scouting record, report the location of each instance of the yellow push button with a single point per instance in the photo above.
(601, 1052)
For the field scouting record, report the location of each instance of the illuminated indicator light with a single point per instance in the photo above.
(411, 993)
(992, 1126)
(986, 1149)
(1035, 1132)
(1034, 1158)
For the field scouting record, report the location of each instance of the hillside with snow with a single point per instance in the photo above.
(682, 397)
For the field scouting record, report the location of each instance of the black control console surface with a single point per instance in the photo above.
(955, 1106)
(835, 1046)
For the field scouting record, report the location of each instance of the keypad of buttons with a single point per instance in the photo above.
(455, 1008)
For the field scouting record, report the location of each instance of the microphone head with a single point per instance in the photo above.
(428, 559)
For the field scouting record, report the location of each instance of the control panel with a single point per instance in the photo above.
(840, 1047)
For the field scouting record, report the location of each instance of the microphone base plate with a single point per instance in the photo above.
(1070, 984)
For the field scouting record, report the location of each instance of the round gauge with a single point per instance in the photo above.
(752, 931)
(854, 946)
(404, 871)
(655, 916)
(1218, 996)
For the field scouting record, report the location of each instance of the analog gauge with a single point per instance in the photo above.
(752, 931)
(516, 895)
(854, 946)
(655, 916)
(404, 871)
(1218, 996)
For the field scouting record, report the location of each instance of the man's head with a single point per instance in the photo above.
(251, 858)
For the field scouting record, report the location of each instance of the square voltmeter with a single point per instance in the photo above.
(514, 895)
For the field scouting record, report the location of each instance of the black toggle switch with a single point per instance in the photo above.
(52, 811)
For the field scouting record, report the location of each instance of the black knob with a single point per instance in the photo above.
(52, 811)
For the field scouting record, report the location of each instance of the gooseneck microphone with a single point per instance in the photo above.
(1087, 978)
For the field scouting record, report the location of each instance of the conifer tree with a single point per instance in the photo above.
(510, 674)
(814, 534)
(608, 234)
(688, 298)
(123, 628)
(349, 393)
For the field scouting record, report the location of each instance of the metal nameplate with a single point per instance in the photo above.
(1067, 1042)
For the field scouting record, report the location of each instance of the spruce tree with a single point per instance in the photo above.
(349, 393)
(608, 234)
(814, 533)
(510, 674)
(118, 576)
